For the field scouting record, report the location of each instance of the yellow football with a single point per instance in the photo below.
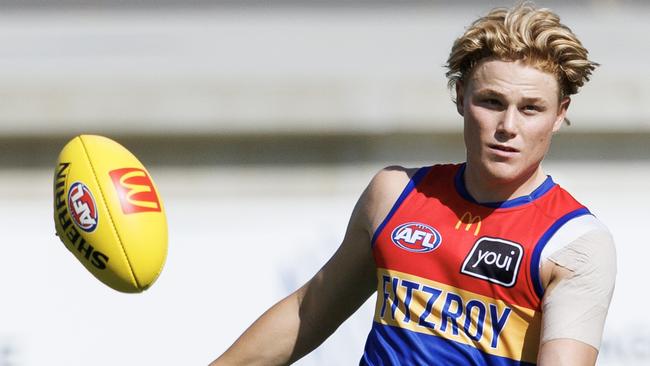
(108, 213)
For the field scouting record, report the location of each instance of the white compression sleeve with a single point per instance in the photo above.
(577, 307)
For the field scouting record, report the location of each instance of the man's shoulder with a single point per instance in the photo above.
(384, 190)
(390, 181)
(399, 175)
(574, 229)
(393, 175)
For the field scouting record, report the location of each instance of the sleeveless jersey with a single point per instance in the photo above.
(458, 281)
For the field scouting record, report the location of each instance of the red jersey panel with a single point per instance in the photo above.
(457, 281)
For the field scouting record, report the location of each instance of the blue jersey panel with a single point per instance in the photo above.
(392, 346)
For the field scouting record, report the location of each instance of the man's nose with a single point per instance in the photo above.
(507, 127)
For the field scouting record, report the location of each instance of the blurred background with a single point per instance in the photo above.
(261, 123)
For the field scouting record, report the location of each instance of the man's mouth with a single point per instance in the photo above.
(503, 148)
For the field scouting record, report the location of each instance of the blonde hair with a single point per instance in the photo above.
(534, 36)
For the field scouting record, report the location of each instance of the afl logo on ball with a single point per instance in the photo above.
(416, 237)
(83, 209)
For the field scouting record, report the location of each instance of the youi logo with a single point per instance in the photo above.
(83, 209)
(495, 260)
(416, 237)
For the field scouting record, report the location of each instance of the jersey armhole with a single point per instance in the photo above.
(413, 182)
(537, 252)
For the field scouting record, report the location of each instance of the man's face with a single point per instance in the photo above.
(511, 111)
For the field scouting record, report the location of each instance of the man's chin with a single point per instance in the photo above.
(503, 172)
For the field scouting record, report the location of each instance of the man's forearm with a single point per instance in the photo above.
(270, 340)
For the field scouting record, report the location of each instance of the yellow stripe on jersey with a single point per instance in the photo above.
(431, 307)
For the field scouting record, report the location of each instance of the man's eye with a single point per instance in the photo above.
(492, 101)
(531, 108)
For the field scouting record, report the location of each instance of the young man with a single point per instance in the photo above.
(488, 262)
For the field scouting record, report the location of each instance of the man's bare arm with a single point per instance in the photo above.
(303, 320)
(580, 282)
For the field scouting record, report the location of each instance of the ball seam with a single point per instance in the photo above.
(117, 234)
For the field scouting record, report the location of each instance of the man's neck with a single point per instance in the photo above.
(485, 188)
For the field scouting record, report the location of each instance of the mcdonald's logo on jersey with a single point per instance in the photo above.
(469, 220)
(135, 190)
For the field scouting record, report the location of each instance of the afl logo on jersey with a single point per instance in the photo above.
(416, 237)
(83, 209)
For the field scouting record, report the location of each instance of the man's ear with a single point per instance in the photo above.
(561, 113)
(460, 89)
